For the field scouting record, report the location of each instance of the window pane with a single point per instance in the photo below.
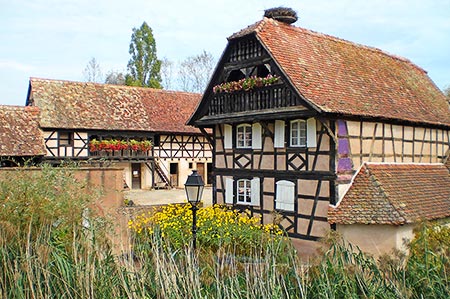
(65, 138)
(244, 191)
(298, 133)
(244, 136)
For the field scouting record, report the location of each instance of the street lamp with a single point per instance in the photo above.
(194, 189)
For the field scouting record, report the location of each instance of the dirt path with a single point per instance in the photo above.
(163, 197)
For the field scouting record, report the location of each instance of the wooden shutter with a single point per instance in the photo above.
(256, 136)
(279, 134)
(311, 133)
(255, 195)
(285, 196)
(229, 191)
(227, 136)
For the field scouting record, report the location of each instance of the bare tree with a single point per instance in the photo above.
(115, 77)
(93, 72)
(195, 71)
(447, 93)
(166, 73)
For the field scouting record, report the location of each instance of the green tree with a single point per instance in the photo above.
(144, 66)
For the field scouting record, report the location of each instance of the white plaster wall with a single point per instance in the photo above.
(376, 239)
(183, 168)
(80, 143)
(146, 177)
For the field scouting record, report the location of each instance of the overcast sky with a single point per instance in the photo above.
(56, 38)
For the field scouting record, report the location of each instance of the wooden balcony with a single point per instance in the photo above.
(268, 97)
(121, 154)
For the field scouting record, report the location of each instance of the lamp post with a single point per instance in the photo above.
(194, 189)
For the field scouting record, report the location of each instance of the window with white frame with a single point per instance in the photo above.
(244, 191)
(285, 195)
(297, 134)
(244, 136)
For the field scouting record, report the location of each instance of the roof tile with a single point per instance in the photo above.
(339, 76)
(389, 193)
(85, 105)
(19, 132)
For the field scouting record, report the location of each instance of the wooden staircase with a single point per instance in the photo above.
(164, 182)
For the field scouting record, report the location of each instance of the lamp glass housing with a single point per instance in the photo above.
(194, 187)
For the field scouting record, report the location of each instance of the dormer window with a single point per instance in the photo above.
(244, 136)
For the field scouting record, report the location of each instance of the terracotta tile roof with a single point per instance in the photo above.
(339, 76)
(83, 105)
(395, 194)
(19, 132)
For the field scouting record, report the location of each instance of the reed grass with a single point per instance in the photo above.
(45, 254)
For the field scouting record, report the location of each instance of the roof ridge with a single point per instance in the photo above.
(12, 106)
(252, 28)
(114, 85)
(373, 179)
(404, 163)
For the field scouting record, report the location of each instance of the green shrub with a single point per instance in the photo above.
(32, 200)
(428, 266)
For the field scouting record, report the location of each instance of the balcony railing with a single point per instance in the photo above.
(125, 153)
(268, 97)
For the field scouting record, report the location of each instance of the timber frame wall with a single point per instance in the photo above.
(183, 146)
(310, 169)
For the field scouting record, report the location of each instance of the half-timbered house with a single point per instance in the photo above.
(140, 129)
(294, 113)
(21, 140)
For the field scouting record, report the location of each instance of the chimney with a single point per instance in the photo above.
(281, 14)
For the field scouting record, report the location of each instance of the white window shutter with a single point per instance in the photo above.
(279, 134)
(229, 191)
(228, 136)
(285, 196)
(256, 136)
(311, 138)
(255, 196)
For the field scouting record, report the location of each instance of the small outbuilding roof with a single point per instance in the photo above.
(94, 106)
(20, 135)
(395, 194)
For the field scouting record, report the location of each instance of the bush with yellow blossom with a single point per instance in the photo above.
(218, 226)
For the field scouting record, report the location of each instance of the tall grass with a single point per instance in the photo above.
(47, 252)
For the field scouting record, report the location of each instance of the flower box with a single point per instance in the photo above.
(114, 146)
(246, 84)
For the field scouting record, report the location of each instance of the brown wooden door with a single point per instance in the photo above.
(208, 173)
(174, 174)
(135, 176)
(201, 170)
